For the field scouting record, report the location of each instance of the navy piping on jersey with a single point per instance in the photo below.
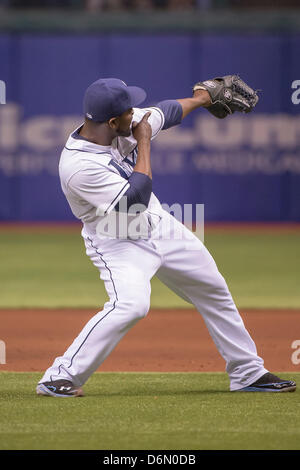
(162, 121)
(77, 136)
(134, 157)
(126, 159)
(87, 151)
(96, 324)
(115, 198)
(119, 168)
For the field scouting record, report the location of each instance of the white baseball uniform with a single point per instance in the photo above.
(94, 178)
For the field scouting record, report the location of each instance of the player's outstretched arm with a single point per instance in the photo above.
(222, 96)
(200, 99)
(175, 111)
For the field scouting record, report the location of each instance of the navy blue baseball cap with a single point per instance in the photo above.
(110, 97)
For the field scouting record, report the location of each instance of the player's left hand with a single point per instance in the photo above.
(228, 94)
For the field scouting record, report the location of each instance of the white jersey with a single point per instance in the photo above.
(95, 177)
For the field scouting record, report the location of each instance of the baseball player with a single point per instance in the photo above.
(105, 173)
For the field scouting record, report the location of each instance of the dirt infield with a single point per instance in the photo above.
(166, 340)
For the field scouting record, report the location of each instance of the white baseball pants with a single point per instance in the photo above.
(184, 264)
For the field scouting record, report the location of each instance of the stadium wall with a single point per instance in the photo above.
(244, 168)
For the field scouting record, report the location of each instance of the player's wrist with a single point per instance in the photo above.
(144, 140)
(202, 97)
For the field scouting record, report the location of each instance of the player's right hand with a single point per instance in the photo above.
(142, 130)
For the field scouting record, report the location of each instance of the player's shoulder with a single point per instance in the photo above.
(77, 158)
(79, 155)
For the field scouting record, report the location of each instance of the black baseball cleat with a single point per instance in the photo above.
(270, 383)
(59, 388)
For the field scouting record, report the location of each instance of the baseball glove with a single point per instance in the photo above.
(228, 94)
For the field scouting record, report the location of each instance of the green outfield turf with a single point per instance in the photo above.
(52, 270)
(147, 411)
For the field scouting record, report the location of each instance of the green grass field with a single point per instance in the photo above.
(52, 270)
(147, 411)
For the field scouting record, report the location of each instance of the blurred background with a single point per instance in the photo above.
(244, 168)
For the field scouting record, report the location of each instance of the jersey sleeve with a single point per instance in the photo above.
(156, 118)
(172, 111)
(101, 188)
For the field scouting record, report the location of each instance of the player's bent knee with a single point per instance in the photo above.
(137, 307)
(140, 307)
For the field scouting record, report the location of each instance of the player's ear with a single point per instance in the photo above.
(113, 123)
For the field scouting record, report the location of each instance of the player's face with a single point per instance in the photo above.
(124, 123)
